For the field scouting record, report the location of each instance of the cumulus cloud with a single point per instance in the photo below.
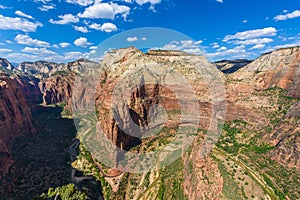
(82, 29)
(93, 47)
(27, 40)
(21, 14)
(220, 1)
(258, 46)
(9, 23)
(106, 27)
(255, 41)
(3, 7)
(20, 57)
(152, 2)
(132, 39)
(65, 19)
(5, 50)
(188, 46)
(105, 11)
(270, 31)
(80, 2)
(45, 8)
(238, 51)
(38, 51)
(64, 44)
(215, 45)
(291, 15)
(222, 49)
(82, 42)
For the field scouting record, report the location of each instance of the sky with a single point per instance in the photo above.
(66, 30)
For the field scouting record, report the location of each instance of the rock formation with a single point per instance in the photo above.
(5, 64)
(231, 66)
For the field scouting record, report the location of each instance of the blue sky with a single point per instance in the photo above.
(66, 30)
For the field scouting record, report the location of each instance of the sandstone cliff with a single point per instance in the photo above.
(15, 114)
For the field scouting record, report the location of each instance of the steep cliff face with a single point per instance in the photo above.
(148, 80)
(247, 101)
(279, 68)
(132, 84)
(15, 116)
(5, 64)
(231, 66)
(286, 137)
(57, 89)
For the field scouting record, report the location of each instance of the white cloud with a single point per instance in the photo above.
(152, 2)
(20, 57)
(236, 51)
(9, 23)
(222, 49)
(38, 51)
(3, 7)
(215, 45)
(93, 47)
(188, 46)
(285, 11)
(21, 14)
(105, 11)
(82, 42)
(296, 43)
(132, 39)
(106, 27)
(74, 55)
(9, 41)
(65, 19)
(64, 44)
(245, 21)
(292, 15)
(81, 2)
(82, 29)
(45, 8)
(270, 31)
(258, 46)
(220, 1)
(43, 1)
(255, 41)
(5, 50)
(144, 38)
(26, 40)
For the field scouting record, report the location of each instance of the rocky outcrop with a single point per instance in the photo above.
(286, 138)
(279, 68)
(15, 115)
(44, 69)
(231, 66)
(57, 89)
(202, 178)
(5, 64)
(133, 82)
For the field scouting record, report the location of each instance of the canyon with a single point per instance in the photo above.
(255, 109)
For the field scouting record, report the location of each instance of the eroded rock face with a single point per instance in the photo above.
(286, 137)
(148, 80)
(202, 178)
(15, 116)
(231, 66)
(5, 64)
(57, 89)
(279, 68)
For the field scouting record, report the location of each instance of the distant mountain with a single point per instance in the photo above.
(5, 64)
(230, 66)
